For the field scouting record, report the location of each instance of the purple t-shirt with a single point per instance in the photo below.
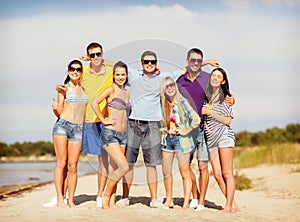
(194, 92)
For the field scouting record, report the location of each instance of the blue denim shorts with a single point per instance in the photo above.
(109, 136)
(173, 144)
(91, 143)
(145, 134)
(201, 147)
(224, 142)
(71, 130)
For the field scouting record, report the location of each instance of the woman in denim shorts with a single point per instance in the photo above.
(113, 136)
(219, 136)
(179, 119)
(67, 132)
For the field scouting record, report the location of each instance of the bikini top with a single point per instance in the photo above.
(71, 97)
(118, 103)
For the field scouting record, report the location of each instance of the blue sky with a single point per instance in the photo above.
(256, 41)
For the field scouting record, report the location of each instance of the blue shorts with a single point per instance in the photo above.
(201, 147)
(224, 142)
(91, 143)
(109, 136)
(71, 130)
(147, 135)
(173, 144)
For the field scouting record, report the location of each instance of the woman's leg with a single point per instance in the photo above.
(167, 162)
(184, 168)
(60, 145)
(115, 151)
(73, 156)
(226, 159)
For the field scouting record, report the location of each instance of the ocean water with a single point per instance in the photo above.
(32, 172)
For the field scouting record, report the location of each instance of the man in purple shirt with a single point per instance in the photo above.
(192, 86)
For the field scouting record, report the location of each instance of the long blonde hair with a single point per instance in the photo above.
(166, 103)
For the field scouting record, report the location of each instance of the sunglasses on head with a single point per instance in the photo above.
(72, 69)
(196, 60)
(146, 61)
(93, 55)
(170, 85)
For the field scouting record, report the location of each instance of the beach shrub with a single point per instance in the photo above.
(242, 182)
(278, 153)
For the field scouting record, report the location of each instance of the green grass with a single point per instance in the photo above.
(242, 182)
(285, 153)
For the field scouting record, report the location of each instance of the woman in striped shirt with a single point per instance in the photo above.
(219, 136)
(179, 119)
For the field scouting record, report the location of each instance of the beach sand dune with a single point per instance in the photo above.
(275, 196)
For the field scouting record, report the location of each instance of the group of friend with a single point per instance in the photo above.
(113, 111)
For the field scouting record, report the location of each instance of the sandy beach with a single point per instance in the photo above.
(275, 196)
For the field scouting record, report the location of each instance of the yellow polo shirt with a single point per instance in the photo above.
(94, 85)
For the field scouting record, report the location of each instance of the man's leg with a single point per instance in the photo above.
(203, 159)
(152, 181)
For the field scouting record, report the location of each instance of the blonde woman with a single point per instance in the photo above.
(179, 119)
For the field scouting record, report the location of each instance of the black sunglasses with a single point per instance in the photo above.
(170, 85)
(194, 60)
(93, 55)
(72, 69)
(146, 61)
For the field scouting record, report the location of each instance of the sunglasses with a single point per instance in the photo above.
(152, 62)
(196, 60)
(72, 69)
(170, 85)
(93, 55)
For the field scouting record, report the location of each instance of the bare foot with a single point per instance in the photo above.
(225, 210)
(114, 206)
(71, 204)
(235, 210)
(185, 207)
(61, 204)
(105, 201)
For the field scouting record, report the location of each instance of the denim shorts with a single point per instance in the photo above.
(91, 143)
(224, 142)
(109, 136)
(145, 134)
(201, 147)
(173, 144)
(71, 130)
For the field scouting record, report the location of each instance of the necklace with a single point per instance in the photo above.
(212, 100)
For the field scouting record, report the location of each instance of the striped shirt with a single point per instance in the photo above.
(213, 128)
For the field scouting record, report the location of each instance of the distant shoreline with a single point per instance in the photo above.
(33, 158)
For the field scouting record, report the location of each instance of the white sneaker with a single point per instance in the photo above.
(193, 203)
(51, 203)
(66, 201)
(123, 202)
(199, 208)
(99, 202)
(155, 203)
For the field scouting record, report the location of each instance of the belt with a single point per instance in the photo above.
(139, 121)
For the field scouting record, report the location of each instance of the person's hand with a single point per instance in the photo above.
(84, 57)
(214, 63)
(163, 130)
(157, 71)
(205, 110)
(54, 104)
(61, 88)
(109, 122)
(229, 100)
(181, 132)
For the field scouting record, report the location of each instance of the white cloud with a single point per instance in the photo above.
(260, 53)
